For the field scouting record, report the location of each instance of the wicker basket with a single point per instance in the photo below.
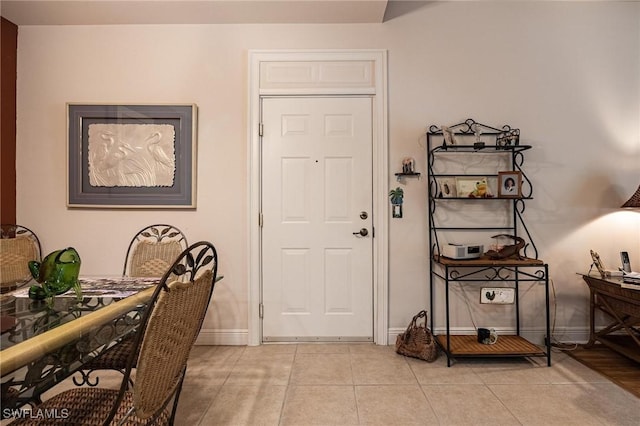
(417, 341)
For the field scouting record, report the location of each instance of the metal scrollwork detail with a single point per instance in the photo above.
(39, 375)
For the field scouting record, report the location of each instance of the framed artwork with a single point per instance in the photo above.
(131, 156)
(472, 187)
(510, 184)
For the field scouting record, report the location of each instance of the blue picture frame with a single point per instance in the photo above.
(181, 119)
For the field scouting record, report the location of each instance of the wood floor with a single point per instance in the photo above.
(618, 368)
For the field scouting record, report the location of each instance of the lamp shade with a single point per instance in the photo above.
(634, 201)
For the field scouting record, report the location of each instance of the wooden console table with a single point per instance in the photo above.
(622, 306)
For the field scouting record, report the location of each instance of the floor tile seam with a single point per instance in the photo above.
(506, 407)
(367, 385)
(426, 397)
(209, 405)
(232, 367)
(284, 401)
(293, 362)
(532, 385)
(355, 401)
(581, 382)
(442, 385)
(486, 378)
(382, 356)
(351, 371)
(317, 385)
(288, 390)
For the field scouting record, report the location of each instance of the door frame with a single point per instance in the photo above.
(380, 168)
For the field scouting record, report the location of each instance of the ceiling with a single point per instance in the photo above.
(140, 12)
(113, 12)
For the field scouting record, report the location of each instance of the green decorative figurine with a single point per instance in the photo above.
(58, 272)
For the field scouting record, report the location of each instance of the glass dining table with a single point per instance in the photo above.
(43, 343)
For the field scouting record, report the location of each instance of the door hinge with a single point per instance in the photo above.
(373, 232)
(260, 129)
(261, 311)
(260, 219)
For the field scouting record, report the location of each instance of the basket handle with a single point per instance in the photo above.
(413, 323)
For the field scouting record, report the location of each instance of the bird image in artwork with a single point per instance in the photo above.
(112, 153)
(113, 163)
(157, 152)
(133, 155)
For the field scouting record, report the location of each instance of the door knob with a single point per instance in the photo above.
(363, 232)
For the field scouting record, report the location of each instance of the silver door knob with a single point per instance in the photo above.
(363, 232)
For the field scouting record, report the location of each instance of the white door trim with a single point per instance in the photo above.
(380, 173)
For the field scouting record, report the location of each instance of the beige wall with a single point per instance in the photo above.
(566, 74)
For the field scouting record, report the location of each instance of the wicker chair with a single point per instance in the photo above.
(18, 246)
(150, 254)
(152, 250)
(167, 332)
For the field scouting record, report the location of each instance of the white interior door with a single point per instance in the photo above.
(316, 229)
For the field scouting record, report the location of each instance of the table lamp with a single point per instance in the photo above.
(634, 201)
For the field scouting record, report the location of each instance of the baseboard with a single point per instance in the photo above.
(240, 337)
(568, 335)
(223, 337)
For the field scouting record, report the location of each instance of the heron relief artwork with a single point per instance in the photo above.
(133, 155)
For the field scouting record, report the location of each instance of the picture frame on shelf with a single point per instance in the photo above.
(510, 184)
(598, 264)
(473, 187)
(449, 136)
(447, 187)
(508, 138)
(131, 156)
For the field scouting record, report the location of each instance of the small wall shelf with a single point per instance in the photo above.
(401, 175)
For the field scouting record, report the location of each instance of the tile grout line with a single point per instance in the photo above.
(213, 399)
(287, 386)
(353, 384)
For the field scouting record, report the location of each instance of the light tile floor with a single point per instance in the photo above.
(365, 384)
(355, 384)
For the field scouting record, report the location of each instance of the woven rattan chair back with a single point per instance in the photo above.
(18, 246)
(151, 253)
(153, 249)
(169, 329)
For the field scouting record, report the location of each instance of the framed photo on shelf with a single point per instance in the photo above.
(447, 188)
(510, 184)
(449, 136)
(131, 156)
(508, 138)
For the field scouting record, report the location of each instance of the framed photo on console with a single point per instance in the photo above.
(510, 184)
(598, 264)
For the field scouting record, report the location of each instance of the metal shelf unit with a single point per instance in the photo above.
(511, 272)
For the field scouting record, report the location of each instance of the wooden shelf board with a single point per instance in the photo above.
(486, 261)
(505, 346)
